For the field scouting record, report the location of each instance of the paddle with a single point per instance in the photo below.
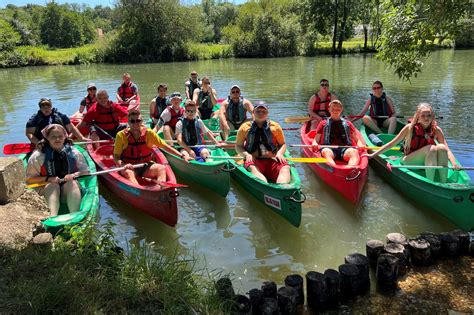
(19, 148)
(302, 119)
(341, 146)
(293, 159)
(166, 184)
(390, 166)
(116, 169)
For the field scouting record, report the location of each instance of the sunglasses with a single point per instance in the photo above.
(235, 92)
(325, 84)
(133, 121)
(426, 115)
(260, 112)
(190, 111)
(92, 89)
(207, 82)
(376, 88)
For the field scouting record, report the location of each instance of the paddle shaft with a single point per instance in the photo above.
(431, 167)
(340, 146)
(293, 159)
(307, 118)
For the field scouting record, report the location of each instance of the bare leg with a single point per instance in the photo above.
(329, 155)
(372, 124)
(205, 153)
(315, 122)
(253, 169)
(95, 137)
(156, 171)
(391, 124)
(442, 159)
(424, 156)
(72, 191)
(285, 175)
(130, 175)
(168, 133)
(225, 131)
(52, 194)
(352, 156)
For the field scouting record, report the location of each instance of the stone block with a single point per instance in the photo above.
(12, 177)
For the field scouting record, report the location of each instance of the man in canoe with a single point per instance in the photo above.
(134, 145)
(170, 116)
(424, 144)
(191, 84)
(103, 118)
(89, 99)
(57, 164)
(382, 111)
(190, 131)
(337, 131)
(127, 91)
(206, 98)
(318, 104)
(46, 116)
(159, 103)
(262, 144)
(233, 111)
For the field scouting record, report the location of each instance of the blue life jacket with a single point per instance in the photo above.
(160, 105)
(192, 131)
(236, 113)
(59, 163)
(257, 136)
(327, 132)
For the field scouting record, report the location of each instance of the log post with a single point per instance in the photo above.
(420, 252)
(398, 251)
(287, 300)
(316, 292)
(373, 248)
(387, 273)
(296, 282)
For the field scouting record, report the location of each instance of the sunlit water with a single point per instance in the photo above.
(236, 234)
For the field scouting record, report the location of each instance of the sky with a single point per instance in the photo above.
(92, 3)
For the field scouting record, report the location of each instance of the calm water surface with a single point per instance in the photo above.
(236, 234)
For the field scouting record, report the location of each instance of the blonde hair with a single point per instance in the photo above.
(336, 103)
(415, 120)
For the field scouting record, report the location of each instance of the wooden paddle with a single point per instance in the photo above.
(436, 167)
(293, 159)
(19, 148)
(116, 169)
(341, 146)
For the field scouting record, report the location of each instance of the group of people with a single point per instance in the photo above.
(424, 141)
(259, 140)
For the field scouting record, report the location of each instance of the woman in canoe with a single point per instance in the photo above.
(190, 131)
(424, 144)
(89, 99)
(134, 145)
(57, 164)
(337, 131)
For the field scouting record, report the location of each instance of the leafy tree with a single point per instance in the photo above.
(9, 38)
(51, 24)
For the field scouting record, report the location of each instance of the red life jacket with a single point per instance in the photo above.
(174, 117)
(317, 105)
(106, 118)
(125, 90)
(136, 151)
(89, 101)
(420, 138)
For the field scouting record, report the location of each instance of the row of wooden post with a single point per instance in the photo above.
(390, 261)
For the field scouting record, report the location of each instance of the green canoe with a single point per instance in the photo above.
(89, 203)
(453, 200)
(283, 199)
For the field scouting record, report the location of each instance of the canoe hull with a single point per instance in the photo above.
(347, 181)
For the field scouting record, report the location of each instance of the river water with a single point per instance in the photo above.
(235, 234)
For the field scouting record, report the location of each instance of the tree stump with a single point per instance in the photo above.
(333, 280)
(316, 292)
(362, 262)
(398, 251)
(43, 241)
(435, 243)
(420, 252)
(450, 244)
(373, 248)
(296, 282)
(287, 300)
(387, 273)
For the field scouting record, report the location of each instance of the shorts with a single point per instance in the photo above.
(104, 134)
(270, 168)
(379, 121)
(142, 170)
(338, 153)
(234, 126)
(197, 151)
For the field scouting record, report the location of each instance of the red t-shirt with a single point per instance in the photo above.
(336, 133)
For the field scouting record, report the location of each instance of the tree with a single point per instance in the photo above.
(410, 27)
(51, 24)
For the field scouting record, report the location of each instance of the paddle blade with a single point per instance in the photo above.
(35, 185)
(389, 167)
(18, 148)
(174, 185)
(307, 160)
(301, 119)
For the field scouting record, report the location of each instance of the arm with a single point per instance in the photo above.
(119, 99)
(152, 107)
(362, 112)
(403, 133)
(164, 118)
(249, 106)
(186, 89)
(210, 134)
(310, 107)
(280, 140)
(30, 134)
(196, 96)
(73, 129)
(213, 97)
(222, 115)
(82, 106)
(392, 107)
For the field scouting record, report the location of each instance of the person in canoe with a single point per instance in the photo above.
(233, 111)
(159, 103)
(190, 131)
(170, 116)
(424, 144)
(103, 118)
(46, 116)
(206, 98)
(89, 99)
(337, 131)
(134, 145)
(318, 104)
(262, 144)
(57, 164)
(382, 111)
(191, 84)
(127, 92)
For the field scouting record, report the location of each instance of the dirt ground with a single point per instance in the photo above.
(18, 219)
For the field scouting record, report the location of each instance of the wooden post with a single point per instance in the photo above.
(225, 290)
(362, 262)
(350, 281)
(450, 244)
(398, 251)
(255, 296)
(387, 272)
(287, 300)
(435, 243)
(316, 291)
(241, 305)
(420, 252)
(463, 241)
(269, 306)
(333, 279)
(296, 282)
(269, 289)
(373, 248)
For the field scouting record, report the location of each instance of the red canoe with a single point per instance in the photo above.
(348, 181)
(160, 203)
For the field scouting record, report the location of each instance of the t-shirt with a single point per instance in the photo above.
(152, 139)
(199, 123)
(275, 128)
(337, 132)
(36, 160)
(166, 115)
(40, 121)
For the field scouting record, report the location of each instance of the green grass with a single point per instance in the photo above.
(200, 51)
(86, 274)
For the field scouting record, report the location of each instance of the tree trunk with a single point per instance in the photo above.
(336, 4)
(342, 32)
(366, 35)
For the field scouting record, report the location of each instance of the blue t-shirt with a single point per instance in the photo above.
(40, 121)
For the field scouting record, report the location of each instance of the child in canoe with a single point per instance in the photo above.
(337, 131)
(57, 164)
(425, 143)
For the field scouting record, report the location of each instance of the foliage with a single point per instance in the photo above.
(89, 273)
(216, 17)
(9, 38)
(203, 51)
(410, 27)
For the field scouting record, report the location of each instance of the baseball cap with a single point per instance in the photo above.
(91, 85)
(260, 104)
(175, 94)
(235, 86)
